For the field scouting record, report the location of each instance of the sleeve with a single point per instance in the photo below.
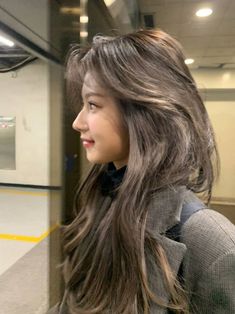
(215, 290)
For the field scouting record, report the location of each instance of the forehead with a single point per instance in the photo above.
(91, 83)
(92, 86)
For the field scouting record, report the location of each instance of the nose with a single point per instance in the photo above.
(79, 124)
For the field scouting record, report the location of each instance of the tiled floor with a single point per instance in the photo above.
(24, 218)
(26, 253)
(11, 252)
(24, 287)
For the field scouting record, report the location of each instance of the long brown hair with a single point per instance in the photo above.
(171, 144)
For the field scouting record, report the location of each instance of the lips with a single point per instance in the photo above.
(87, 142)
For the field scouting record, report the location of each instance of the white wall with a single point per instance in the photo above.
(214, 78)
(222, 114)
(26, 97)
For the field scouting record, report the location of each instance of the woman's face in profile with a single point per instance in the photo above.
(100, 123)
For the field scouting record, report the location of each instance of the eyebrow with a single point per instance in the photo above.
(93, 94)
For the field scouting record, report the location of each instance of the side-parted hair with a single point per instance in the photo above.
(171, 143)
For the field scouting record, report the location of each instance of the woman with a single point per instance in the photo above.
(147, 134)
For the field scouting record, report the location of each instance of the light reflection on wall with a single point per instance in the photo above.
(7, 143)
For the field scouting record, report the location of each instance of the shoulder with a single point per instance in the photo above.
(209, 263)
(209, 238)
(207, 227)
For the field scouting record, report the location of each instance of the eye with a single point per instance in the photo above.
(91, 105)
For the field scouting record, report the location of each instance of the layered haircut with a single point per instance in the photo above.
(171, 144)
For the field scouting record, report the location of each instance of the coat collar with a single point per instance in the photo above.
(164, 212)
(165, 209)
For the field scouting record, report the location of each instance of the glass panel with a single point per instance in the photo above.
(124, 13)
(7, 143)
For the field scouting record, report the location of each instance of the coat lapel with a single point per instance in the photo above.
(164, 212)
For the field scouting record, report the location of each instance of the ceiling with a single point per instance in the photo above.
(12, 58)
(210, 41)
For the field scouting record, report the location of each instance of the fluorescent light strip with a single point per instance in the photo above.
(6, 42)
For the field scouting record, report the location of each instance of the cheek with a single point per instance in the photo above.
(106, 130)
(93, 124)
(119, 139)
(99, 126)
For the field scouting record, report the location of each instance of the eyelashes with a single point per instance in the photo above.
(92, 106)
(89, 106)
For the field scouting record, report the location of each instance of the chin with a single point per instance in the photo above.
(97, 161)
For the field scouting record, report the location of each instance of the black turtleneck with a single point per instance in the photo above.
(111, 179)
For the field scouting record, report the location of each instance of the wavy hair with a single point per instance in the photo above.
(171, 144)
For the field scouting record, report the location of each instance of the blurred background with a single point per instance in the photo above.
(40, 157)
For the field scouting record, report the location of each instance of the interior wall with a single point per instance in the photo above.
(214, 78)
(222, 115)
(25, 95)
(221, 109)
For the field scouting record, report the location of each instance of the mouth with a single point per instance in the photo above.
(87, 143)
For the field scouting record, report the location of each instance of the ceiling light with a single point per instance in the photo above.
(83, 34)
(6, 42)
(226, 76)
(109, 2)
(188, 61)
(204, 12)
(83, 19)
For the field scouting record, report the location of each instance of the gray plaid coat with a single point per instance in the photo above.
(206, 251)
